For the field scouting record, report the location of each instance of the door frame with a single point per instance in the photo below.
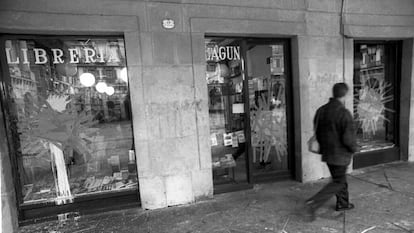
(277, 175)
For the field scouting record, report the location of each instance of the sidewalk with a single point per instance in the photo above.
(383, 196)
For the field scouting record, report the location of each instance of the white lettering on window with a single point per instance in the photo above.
(74, 55)
(40, 56)
(57, 56)
(25, 59)
(9, 59)
(89, 55)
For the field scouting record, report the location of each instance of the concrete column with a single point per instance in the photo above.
(349, 77)
(169, 112)
(407, 99)
(323, 57)
(8, 199)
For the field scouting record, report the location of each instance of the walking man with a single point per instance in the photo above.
(335, 134)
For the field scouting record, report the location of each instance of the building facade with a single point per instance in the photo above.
(202, 96)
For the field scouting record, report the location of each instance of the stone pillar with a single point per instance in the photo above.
(8, 199)
(407, 100)
(169, 113)
(325, 58)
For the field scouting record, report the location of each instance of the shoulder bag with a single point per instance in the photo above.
(313, 144)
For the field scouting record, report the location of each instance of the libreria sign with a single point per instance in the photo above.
(58, 56)
(214, 53)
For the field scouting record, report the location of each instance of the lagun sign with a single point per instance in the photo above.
(220, 53)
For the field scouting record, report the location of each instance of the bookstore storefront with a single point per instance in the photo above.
(68, 107)
(69, 119)
(161, 104)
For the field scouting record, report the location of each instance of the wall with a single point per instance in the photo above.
(166, 67)
(324, 65)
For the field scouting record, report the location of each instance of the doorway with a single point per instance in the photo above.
(377, 71)
(248, 82)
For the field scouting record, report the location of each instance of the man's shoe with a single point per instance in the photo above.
(310, 212)
(350, 206)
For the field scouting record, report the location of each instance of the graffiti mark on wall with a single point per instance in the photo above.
(320, 86)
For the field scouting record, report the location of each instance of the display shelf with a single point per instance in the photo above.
(81, 205)
(234, 76)
(81, 196)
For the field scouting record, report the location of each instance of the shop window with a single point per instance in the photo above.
(224, 76)
(376, 96)
(71, 107)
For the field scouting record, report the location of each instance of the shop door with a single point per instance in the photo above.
(269, 107)
(376, 101)
(248, 106)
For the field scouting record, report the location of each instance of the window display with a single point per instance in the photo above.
(374, 100)
(72, 115)
(226, 110)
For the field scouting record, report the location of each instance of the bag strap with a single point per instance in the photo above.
(315, 126)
